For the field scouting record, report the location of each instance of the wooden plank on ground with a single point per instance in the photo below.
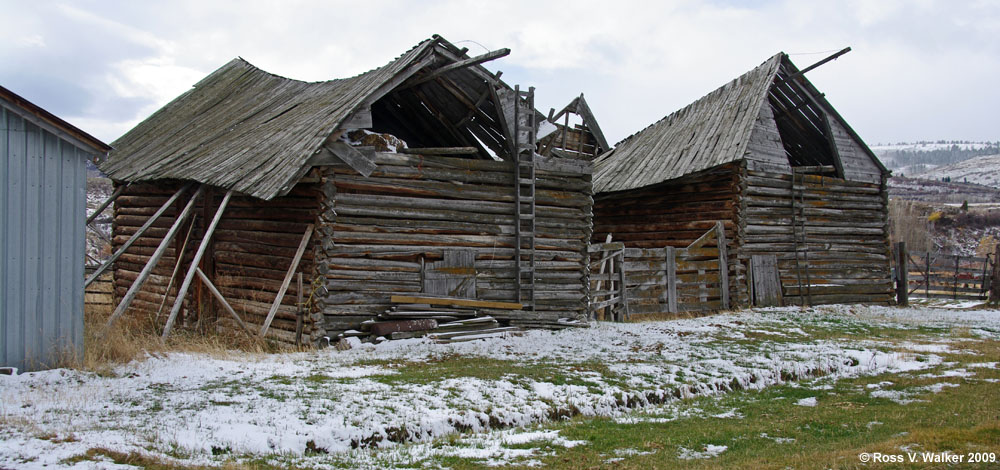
(412, 299)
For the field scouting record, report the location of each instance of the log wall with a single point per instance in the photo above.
(251, 250)
(380, 234)
(846, 235)
(675, 214)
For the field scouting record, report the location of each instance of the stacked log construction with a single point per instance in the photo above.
(386, 233)
(99, 296)
(675, 214)
(845, 246)
(250, 252)
(137, 203)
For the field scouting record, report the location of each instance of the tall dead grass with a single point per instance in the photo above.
(133, 338)
(908, 222)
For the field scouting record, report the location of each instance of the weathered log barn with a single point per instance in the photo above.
(291, 177)
(793, 185)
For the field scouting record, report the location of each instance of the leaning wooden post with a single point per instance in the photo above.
(288, 280)
(105, 204)
(205, 241)
(591, 311)
(179, 258)
(153, 260)
(954, 284)
(222, 300)
(995, 281)
(720, 238)
(902, 276)
(671, 279)
(609, 309)
(298, 309)
(135, 236)
(622, 288)
(927, 275)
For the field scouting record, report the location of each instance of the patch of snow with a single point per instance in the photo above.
(779, 440)
(631, 452)
(707, 452)
(983, 365)
(729, 414)
(878, 385)
(951, 373)
(811, 401)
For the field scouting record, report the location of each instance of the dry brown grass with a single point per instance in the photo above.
(908, 222)
(134, 339)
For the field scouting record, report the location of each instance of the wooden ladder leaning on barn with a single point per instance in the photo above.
(799, 240)
(524, 194)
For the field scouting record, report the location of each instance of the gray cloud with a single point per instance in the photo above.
(919, 70)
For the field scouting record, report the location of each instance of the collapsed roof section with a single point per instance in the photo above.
(717, 128)
(244, 129)
(563, 138)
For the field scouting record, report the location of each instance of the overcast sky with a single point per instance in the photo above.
(919, 70)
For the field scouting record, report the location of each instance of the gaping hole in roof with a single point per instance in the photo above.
(452, 110)
(801, 124)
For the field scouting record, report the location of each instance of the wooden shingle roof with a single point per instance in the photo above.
(244, 129)
(709, 132)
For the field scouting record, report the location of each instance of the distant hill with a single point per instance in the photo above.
(935, 190)
(984, 170)
(911, 157)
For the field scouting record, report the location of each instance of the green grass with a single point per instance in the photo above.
(846, 421)
(770, 430)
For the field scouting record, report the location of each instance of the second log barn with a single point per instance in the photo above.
(415, 181)
(801, 198)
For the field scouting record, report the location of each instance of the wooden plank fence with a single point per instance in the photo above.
(628, 281)
(942, 275)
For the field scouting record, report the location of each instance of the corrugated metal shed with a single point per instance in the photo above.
(709, 132)
(42, 214)
(244, 129)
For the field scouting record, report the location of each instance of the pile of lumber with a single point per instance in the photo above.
(442, 320)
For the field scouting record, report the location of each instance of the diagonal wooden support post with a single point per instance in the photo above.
(107, 202)
(153, 260)
(135, 236)
(671, 256)
(288, 279)
(222, 300)
(205, 241)
(720, 238)
(179, 259)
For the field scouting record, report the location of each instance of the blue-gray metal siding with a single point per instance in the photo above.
(42, 214)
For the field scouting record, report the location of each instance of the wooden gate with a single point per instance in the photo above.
(636, 281)
(608, 295)
(941, 275)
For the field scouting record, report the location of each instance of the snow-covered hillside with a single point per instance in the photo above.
(984, 170)
(911, 158)
(925, 146)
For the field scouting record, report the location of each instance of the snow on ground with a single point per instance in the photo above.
(200, 410)
(709, 451)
